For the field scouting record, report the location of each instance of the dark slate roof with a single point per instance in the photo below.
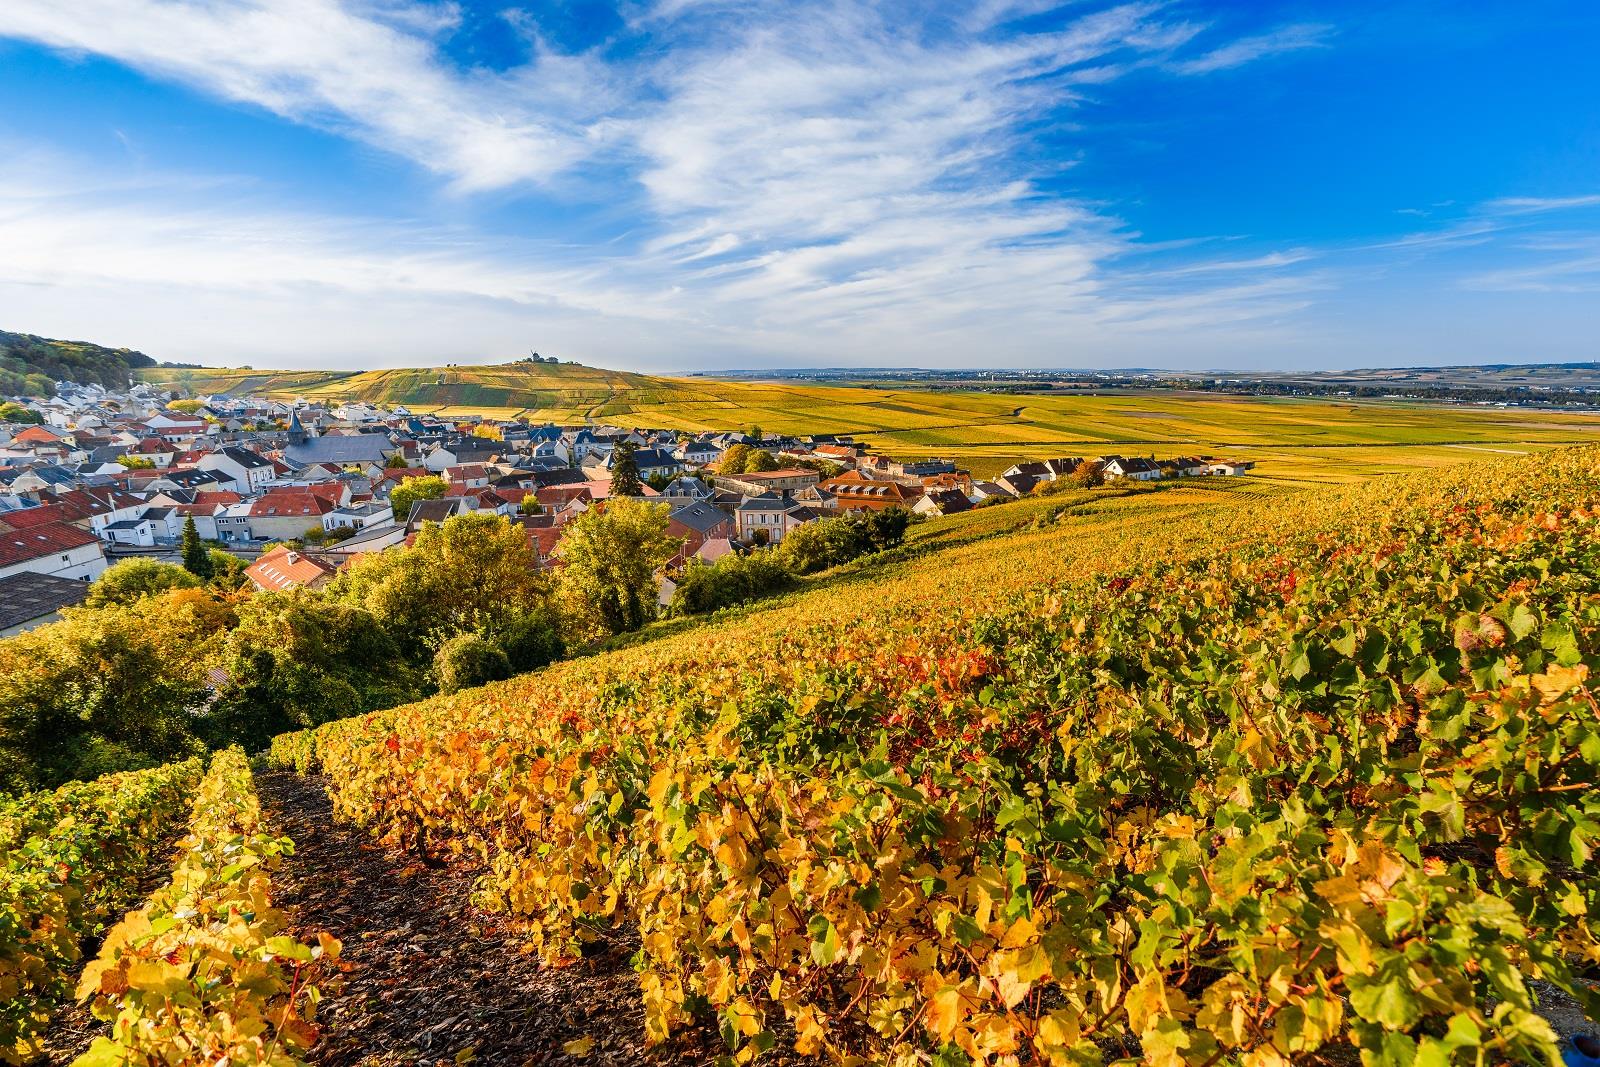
(246, 458)
(357, 448)
(28, 596)
(700, 517)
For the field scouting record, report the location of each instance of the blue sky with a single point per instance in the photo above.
(689, 184)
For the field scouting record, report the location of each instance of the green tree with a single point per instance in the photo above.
(469, 660)
(227, 570)
(132, 579)
(611, 557)
(530, 505)
(625, 471)
(101, 690)
(137, 463)
(410, 490)
(186, 407)
(475, 572)
(11, 411)
(733, 460)
(733, 579)
(196, 559)
(759, 461)
(298, 660)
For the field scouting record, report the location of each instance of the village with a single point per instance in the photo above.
(300, 490)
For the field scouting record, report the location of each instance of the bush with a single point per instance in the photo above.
(733, 579)
(469, 660)
(531, 642)
(132, 579)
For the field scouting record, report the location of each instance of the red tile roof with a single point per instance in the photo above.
(20, 546)
(281, 504)
(283, 569)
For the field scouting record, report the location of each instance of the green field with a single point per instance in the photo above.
(1293, 440)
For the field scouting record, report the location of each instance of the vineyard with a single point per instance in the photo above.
(1259, 787)
(1190, 776)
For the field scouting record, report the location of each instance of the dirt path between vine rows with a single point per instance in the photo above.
(429, 979)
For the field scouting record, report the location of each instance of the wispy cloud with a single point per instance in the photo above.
(1528, 205)
(1249, 49)
(792, 173)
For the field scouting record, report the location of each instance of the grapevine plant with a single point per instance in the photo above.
(70, 860)
(1313, 780)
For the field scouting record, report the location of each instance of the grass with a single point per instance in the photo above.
(1293, 441)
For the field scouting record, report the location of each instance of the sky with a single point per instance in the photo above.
(680, 185)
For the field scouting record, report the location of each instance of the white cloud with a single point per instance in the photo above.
(1249, 49)
(373, 73)
(1526, 205)
(807, 176)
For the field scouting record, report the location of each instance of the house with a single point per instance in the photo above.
(233, 522)
(1043, 470)
(942, 502)
(1228, 469)
(696, 523)
(135, 533)
(435, 511)
(982, 491)
(652, 463)
(283, 514)
(50, 548)
(686, 490)
(698, 453)
(283, 569)
(853, 492)
(28, 599)
(304, 448)
(784, 480)
(248, 471)
(467, 476)
(769, 516)
(365, 542)
(359, 516)
(1137, 469)
(467, 451)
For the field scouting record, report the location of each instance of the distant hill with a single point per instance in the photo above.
(552, 390)
(30, 365)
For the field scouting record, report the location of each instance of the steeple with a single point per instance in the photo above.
(297, 432)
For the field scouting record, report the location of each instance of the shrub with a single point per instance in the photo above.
(469, 660)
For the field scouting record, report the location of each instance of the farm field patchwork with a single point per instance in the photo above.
(1291, 439)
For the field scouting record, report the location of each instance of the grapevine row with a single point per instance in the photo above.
(71, 859)
(206, 973)
(1323, 775)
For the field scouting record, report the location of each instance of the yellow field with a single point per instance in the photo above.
(1292, 440)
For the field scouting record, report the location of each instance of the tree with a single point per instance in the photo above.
(759, 461)
(1088, 474)
(186, 407)
(103, 690)
(733, 460)
(297, 660)
(733, 579)
(137, 463)
(410, 490)
(469, 660)
(11, 411)
(488, 432)
(530, 505)
(196, 559)
(625, 471)
(611, 556)
(133, 579)
(474, 572)
(227, 570)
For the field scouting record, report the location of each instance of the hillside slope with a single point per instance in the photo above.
(1246, 781)
(29, 363)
